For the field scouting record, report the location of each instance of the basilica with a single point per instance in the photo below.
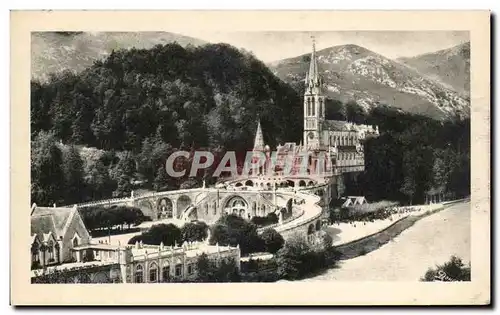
(332, 147)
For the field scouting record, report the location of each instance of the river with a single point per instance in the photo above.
(432, 240)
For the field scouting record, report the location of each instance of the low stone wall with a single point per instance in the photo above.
(372, 242)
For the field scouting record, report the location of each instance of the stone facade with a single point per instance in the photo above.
(140, 263)
(54, 234)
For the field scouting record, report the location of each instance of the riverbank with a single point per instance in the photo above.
(431, 240)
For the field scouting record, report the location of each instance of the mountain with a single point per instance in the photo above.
(53, 52)
(449, 66)
(355, 73)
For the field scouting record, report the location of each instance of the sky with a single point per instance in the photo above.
(272, 46)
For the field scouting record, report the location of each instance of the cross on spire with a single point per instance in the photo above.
(313, 79)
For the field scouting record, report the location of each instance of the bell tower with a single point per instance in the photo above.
(314, 105)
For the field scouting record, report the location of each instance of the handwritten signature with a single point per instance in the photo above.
(442, 276)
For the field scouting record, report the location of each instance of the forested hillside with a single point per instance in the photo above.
(414, 155)
(147, 103)
(109, 129)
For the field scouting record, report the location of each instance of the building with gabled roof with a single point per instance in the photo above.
(54, 234)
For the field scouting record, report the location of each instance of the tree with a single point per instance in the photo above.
(408, 188)
(355, 113)
(205, 269)
(452, 270)
(47, 175)
(189, 183)
(99, 181)
(209, 271)
(273, 241)
(124, 172)
(73, 175)
(233, 230)
(194, 231)
(290, 258)
(161, 179)
(168, 234)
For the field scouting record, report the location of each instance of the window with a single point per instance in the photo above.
(178, 270)
(308, 106)
(35, 256)
(139, 274)
(50, 250)
(165, 273)
(75, 241)
(215, 207)
(313, 108)
(153, 272)
(190, 269)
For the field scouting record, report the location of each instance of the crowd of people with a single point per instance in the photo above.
(353, 217)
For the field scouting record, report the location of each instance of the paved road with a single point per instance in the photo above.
(431, 240)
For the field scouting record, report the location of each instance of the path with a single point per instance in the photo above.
(432, 240)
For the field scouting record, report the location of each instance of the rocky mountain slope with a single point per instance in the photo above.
(449, 66)
(57, 51)
(355, 73)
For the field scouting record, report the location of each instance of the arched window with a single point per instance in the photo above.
(75, 242)
(35, 257)
(178, 269)
(215, 207)
(313, 107)
(153, 272)
(165, 271)
(50, 250)
(206, 208)
(139, 274)
(320, 107)
(308, 106)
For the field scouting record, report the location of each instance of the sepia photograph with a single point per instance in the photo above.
(273, 157)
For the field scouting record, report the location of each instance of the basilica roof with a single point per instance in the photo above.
(45, 220)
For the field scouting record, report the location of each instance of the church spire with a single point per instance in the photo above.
(259, 139)
(313, 78)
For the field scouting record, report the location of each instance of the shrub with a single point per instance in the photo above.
(233, 230)
(208, 270)
(272, 240)
(191, 232)
(298, 258)
(169, 234)
(453, 270)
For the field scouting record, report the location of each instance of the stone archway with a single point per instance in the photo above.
(237, 205)
(147, 209)
(238, 185)
(101, 277)
(302, 183)
(183, 202)
(310, 183)
(165, 208)
(290, 183)
(249, 183)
